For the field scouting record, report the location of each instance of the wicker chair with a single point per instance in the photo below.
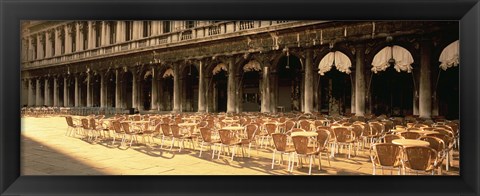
(388, 138)
(270, 128)
(118, 131)
(129, 131)
(303, 150)
(85, 127)
(289, 124)
(280, 143)
(206, 134)
(420, 158)
(72, 128)
(304, 124)
(176, 134)
(344, 137)
(166, 133)
(251, 130)
(323, 138)
(386, 155)
(228, 140)
(410, 135)
(447, 140)
(438, 145)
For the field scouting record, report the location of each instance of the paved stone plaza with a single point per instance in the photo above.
(45, 150)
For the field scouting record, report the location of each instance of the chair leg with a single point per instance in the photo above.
(320, 161)
(201, 149)
(234, 151)
(310, 167)
(273, 158)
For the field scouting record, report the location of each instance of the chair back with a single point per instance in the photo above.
(251, 130)
(420, 157)
(165, 128)
(342, 134)
(301, 144)
(435, 143)
(358, 129)
(304, 124)
(175, 131)
(126, 127)
(280, 141)
(410, 135)
(85, 123)
(444, 131)
(117, 126)
(226, 136)
(93, 123)
(270, 128)
(377, 128)
(445, 138)
(322, 138)
(69, 121)
(389, 138)
(289, 124)
(386, 154)
(206, 134)
(137, 118)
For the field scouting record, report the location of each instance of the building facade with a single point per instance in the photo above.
(381, 67)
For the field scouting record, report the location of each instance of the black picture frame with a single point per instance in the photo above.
(11, 12)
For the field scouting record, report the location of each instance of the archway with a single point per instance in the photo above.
(190, 89)
(447, 84)
(71, 91)
(110, 88)
(250, 87)
(60, 90)
(289, 69)
(146, 93)
(95, 80)
(126, 89)
(166, 90)
(82, 90)
(219, 86)
(391, 90)
(335, 83)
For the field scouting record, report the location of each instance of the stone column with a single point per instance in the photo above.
(352, 93)
(425, 94)
(31, 96)
(201, 89)
(39, 47)
(154, 102)
(55, 92)
(176, 90)
(58, 43)
(38, 100)
(68, 40)
(118, 89)
(134, 90)
(89, 89)
(46, 92)
(308, 108)
(360, 80)
(231, 95)
(265, 105)
(103, 35)
(90, 42)
(48, 45)
(103, 94)
(77, 93)
(65, 92)
(78, 41)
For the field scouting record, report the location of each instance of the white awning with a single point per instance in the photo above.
(450, 56)
(403, 59)
(252, 66)
(341, 61)
(168, 73)
(219, 68)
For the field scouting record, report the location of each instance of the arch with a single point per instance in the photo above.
(95, 82)
(447, 83)
(126, 89)
(400, 57)
(165, 88)
(335, 58)
(249, 86)
(189, 85)
(60, 90)
(109, 84)
(289, 83)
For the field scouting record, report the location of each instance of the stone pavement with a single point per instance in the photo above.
(45, 150)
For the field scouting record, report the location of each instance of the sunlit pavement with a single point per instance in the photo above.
(45, 150)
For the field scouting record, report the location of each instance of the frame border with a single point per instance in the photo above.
(11, 12)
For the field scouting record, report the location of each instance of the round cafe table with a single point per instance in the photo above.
(410, 142)
(304, 133)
